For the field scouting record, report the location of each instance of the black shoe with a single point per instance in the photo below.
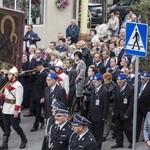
(3, 147)
(23, 144)
(130, 146)
(104, 139)
(4, 144)
(42, 125)
(33, 129)
(116, 146)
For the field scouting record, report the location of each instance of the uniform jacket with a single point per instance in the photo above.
(144, 99)
(14, 93)
(99, 104)
(58, 93)
(59, 139)
(146, 129)
(123, 104)
(87, 142)
(38, 85)
(50, 122)
(72, 74)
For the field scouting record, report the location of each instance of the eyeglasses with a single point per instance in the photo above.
(142, 78)
(58, 116)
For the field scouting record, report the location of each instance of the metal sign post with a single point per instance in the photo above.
(136, 44)
(135, 103)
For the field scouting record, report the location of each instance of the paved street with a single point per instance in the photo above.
(35, 138)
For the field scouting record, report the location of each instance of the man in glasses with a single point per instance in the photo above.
(143, 100)
(122, 111)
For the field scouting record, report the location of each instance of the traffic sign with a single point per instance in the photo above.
(136, 39)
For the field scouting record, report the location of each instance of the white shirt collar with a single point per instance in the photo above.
(124, 87)
(81, 135)
(61, 126)
(97, 89)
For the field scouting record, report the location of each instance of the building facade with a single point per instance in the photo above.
(47, 19)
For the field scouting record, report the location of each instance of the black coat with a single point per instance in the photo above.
(99, 104)
(123, 104)
(60, 138)
(87, 142)
(86, 56)
(58, 93)
(144, 99)
(72, 74)
(38, 85)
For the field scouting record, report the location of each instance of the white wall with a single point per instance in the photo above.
(55, 21)
(110, 2)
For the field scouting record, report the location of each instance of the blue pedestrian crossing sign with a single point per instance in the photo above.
(136, 39)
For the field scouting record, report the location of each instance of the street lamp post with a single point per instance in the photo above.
(104, 11)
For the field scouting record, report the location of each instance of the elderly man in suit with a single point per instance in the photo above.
(143, 100)
(99, 106)
(52, 91)
(122, 111)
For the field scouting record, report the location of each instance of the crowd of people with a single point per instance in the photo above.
(84, 87)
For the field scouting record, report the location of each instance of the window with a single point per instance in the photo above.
(35, 16)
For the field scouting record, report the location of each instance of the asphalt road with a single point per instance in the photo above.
(35, 138)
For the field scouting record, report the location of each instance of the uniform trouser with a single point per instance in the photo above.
(123, 126)
(71, 96)
(32, 106)
(9, 121)
(1, 121)
(2, 124)
(37, 113)
(108, 123)
(97, 129)
(140, 118)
